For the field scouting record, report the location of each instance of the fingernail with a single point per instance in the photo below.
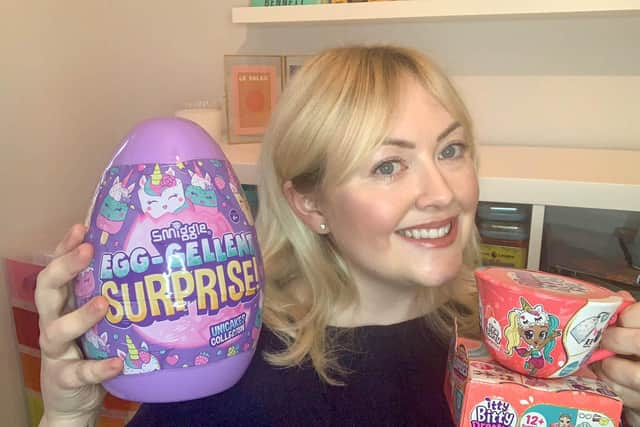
(97, 306)
(114, 365)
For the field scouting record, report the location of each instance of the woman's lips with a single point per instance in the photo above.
(435, 234)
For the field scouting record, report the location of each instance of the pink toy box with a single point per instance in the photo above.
(482, 393)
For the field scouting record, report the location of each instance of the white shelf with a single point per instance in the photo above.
(551, 192)
(428, 9)
(541, 176)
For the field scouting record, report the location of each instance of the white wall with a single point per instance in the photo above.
(527, 81)
(76, 75)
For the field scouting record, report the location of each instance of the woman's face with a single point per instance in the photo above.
(407, 213)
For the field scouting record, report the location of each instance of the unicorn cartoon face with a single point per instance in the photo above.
(201, 191)
(96, 346)
(119, 191)
(138, 361)
(161, 194)
(198, 180)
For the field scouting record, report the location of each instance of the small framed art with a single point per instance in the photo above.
(253, 84)
(292, 63)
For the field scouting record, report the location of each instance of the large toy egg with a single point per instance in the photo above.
(177, 259)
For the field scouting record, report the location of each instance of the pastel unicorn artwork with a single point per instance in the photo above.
(85, 285)
(538, 330)
(119, 190)
(201, 191)
(138, 361)
(96, 346)
(114, 208)
(161, 194)
(163, 202)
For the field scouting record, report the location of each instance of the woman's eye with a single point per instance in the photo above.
(388, 168)
(543, 334)
(452, 151)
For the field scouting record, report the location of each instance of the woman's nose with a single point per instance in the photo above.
(435, 189)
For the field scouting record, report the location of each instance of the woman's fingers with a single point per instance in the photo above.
(80, 373)
(58, 336)
(622, 371)
(73, 238)
(630, 316)
(51, 290)
(622, 340)
(622, 376)
(58, 333)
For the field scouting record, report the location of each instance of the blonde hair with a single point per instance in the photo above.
(332, 115)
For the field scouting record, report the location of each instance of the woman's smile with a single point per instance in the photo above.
(435, 234)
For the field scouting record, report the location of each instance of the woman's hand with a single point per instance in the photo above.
(71, 388)
(622, 372)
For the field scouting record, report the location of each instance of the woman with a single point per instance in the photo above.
(368, 189)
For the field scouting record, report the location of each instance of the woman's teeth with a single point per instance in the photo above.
(426, 233)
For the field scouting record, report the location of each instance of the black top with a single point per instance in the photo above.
(396, 379)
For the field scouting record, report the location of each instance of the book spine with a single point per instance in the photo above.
(263, 3)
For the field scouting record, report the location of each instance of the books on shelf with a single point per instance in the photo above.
(285, 2)
(354, 1)
(262, 3)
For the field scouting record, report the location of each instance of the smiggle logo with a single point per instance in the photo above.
(493, 413)
(180, 231)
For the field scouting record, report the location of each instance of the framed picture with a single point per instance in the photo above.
(253, 84)
(292, 63)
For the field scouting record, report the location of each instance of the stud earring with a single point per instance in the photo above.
(323, 226)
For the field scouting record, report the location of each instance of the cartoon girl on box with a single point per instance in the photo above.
(563, 421)
(538, 329)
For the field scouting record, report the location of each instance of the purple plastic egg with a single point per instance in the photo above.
(182, 271)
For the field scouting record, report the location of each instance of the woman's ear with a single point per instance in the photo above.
(305, 208)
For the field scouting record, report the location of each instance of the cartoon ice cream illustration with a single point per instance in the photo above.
(96, 345)
(201, 191)
(85, 285)
(114, 208)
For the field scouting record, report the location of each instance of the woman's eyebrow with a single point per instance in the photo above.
(453, 126)
(402, 143)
